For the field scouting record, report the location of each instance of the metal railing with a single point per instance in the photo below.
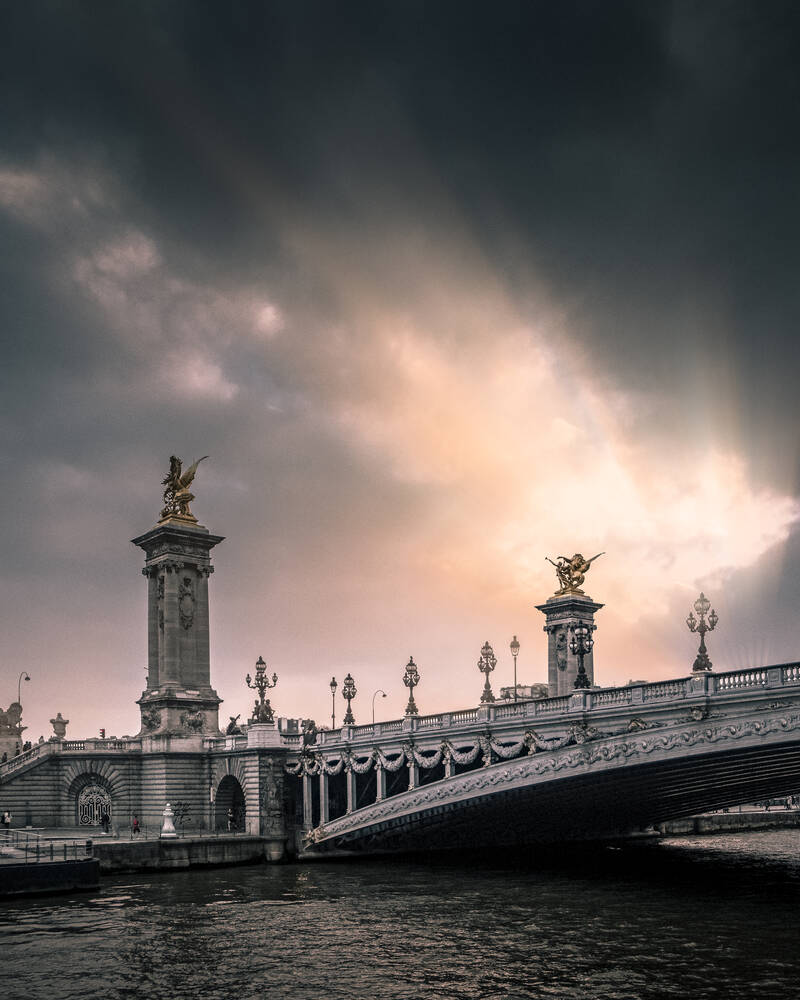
(27, 847)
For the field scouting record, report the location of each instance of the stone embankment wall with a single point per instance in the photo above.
(45, 793)
(189, 852)
(733, 822)
(48, 877)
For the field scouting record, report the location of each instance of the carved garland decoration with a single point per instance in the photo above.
(485, 747)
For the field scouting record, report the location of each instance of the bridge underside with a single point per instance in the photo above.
(590, 805)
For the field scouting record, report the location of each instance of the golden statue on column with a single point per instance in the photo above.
(177, 496)
(572, 572)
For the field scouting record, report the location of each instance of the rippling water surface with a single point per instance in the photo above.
(691, 917)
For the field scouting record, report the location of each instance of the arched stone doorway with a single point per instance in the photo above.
(92, 800)
(229, 806)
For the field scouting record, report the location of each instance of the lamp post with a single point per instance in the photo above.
(263, 710)
(515, 654)
(701, 606)
(411, 679)
(379, 691)
(580, 644)
(334, 685)
(23, 676)
(486, 665)
(348, 693)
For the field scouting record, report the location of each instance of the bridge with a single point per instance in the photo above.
(596, 763)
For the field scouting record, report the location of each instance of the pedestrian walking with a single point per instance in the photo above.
(105, 821)
(6, 820)
(135, 825)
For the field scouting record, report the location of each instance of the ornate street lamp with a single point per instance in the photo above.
(411, 679)
(262, 710)
(486, 665)
(580, 644)
(701, 606)
(348, 693)
(334, 685)
(379, 691)
(515, 654)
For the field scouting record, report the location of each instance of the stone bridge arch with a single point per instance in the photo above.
(229, 785)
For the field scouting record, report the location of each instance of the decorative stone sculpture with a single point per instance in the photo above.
(59, 725)
(263, 711)
(168, 826)
(151, 718)
(233, 726)
(193, 721)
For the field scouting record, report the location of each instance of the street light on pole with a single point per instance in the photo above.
(23, 676)
(334, 685)
(515, 654)
(379, 691)
(580, 644)
(701, 606)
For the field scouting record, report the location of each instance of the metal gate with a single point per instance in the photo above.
(93, 801)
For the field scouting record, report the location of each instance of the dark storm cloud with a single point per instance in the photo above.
(256, 229)
(647, 148)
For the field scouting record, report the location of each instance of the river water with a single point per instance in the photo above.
(691, 917)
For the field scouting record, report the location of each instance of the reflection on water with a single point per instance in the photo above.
(691, 917)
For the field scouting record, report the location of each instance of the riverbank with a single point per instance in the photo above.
(48, 877)
(731, 822)
(183, 852)
(114, 853)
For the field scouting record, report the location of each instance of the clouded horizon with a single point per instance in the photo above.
(442, 290)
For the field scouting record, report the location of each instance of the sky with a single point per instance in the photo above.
(442, 289)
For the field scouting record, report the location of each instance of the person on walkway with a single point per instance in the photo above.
(6, 820)
(105, 821)
(135, 825)
(230, 820)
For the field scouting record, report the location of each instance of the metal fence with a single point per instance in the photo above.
(24, 846)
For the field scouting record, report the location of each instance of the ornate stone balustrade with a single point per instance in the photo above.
(54, 747)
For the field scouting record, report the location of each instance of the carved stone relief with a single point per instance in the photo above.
(151, 718)
(193, 721)
(186, 602)
(561, 650)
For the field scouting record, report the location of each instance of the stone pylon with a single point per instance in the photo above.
(179, 699)
(563, 612)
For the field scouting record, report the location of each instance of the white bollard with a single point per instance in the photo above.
(168, 827)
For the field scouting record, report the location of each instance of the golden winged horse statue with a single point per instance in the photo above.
(177, 495)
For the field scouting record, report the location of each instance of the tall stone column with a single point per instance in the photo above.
(201, 627)
(170, 674)
(380, 781)
(324, 801)
(350, 784)
(563, 613)
(308, 809)
(151, 572)
(179, 699)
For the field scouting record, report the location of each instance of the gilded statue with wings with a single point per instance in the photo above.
(176, 490)
(572, 572)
